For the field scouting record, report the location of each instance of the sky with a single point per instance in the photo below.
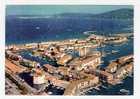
(56, 9)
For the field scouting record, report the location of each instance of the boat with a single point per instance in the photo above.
(49, 93)
(124, 91)
(130, 74)
(114, 51)
(97, 88)
(105, 87)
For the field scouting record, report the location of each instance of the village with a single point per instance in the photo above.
(67, 67)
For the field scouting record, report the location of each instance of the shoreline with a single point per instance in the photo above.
(127, 34)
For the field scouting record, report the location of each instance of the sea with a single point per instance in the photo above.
(28, 30)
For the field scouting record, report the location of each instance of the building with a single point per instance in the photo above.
(129, 67)
(91, 61)
(49, 68)
(63, 70)
(88, 82)
(64, 60)
(105, 76)
(29, 63)
(13, 68)
(123, 71)
(82, 63)
(96, 37)
(61, 83)
(13, 47)
(75, 86)
(39, 79)
(83, 51)
(117, 64)
(113, 66)
(12, 56)
(30, 45)
(59, 55)
(54, 48)
(115, 39)
(125, 59)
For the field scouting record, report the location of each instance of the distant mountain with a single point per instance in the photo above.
(74, 15)
(115, 14)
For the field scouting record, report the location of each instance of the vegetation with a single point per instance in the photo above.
(124, 13)
(117, 14)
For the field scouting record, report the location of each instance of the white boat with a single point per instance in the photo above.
(124, 91)
(49, 93)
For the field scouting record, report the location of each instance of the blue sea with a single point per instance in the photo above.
(28, 30)
(25, 30)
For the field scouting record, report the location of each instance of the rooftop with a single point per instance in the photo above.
(12, 67)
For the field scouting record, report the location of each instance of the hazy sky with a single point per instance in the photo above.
(55, 9)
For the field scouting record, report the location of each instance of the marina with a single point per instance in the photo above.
(68, 74)
(69, 53)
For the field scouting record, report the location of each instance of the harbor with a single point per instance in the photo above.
(72, 50)
(70, 68)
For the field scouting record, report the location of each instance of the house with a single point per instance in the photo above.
(64, 60)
